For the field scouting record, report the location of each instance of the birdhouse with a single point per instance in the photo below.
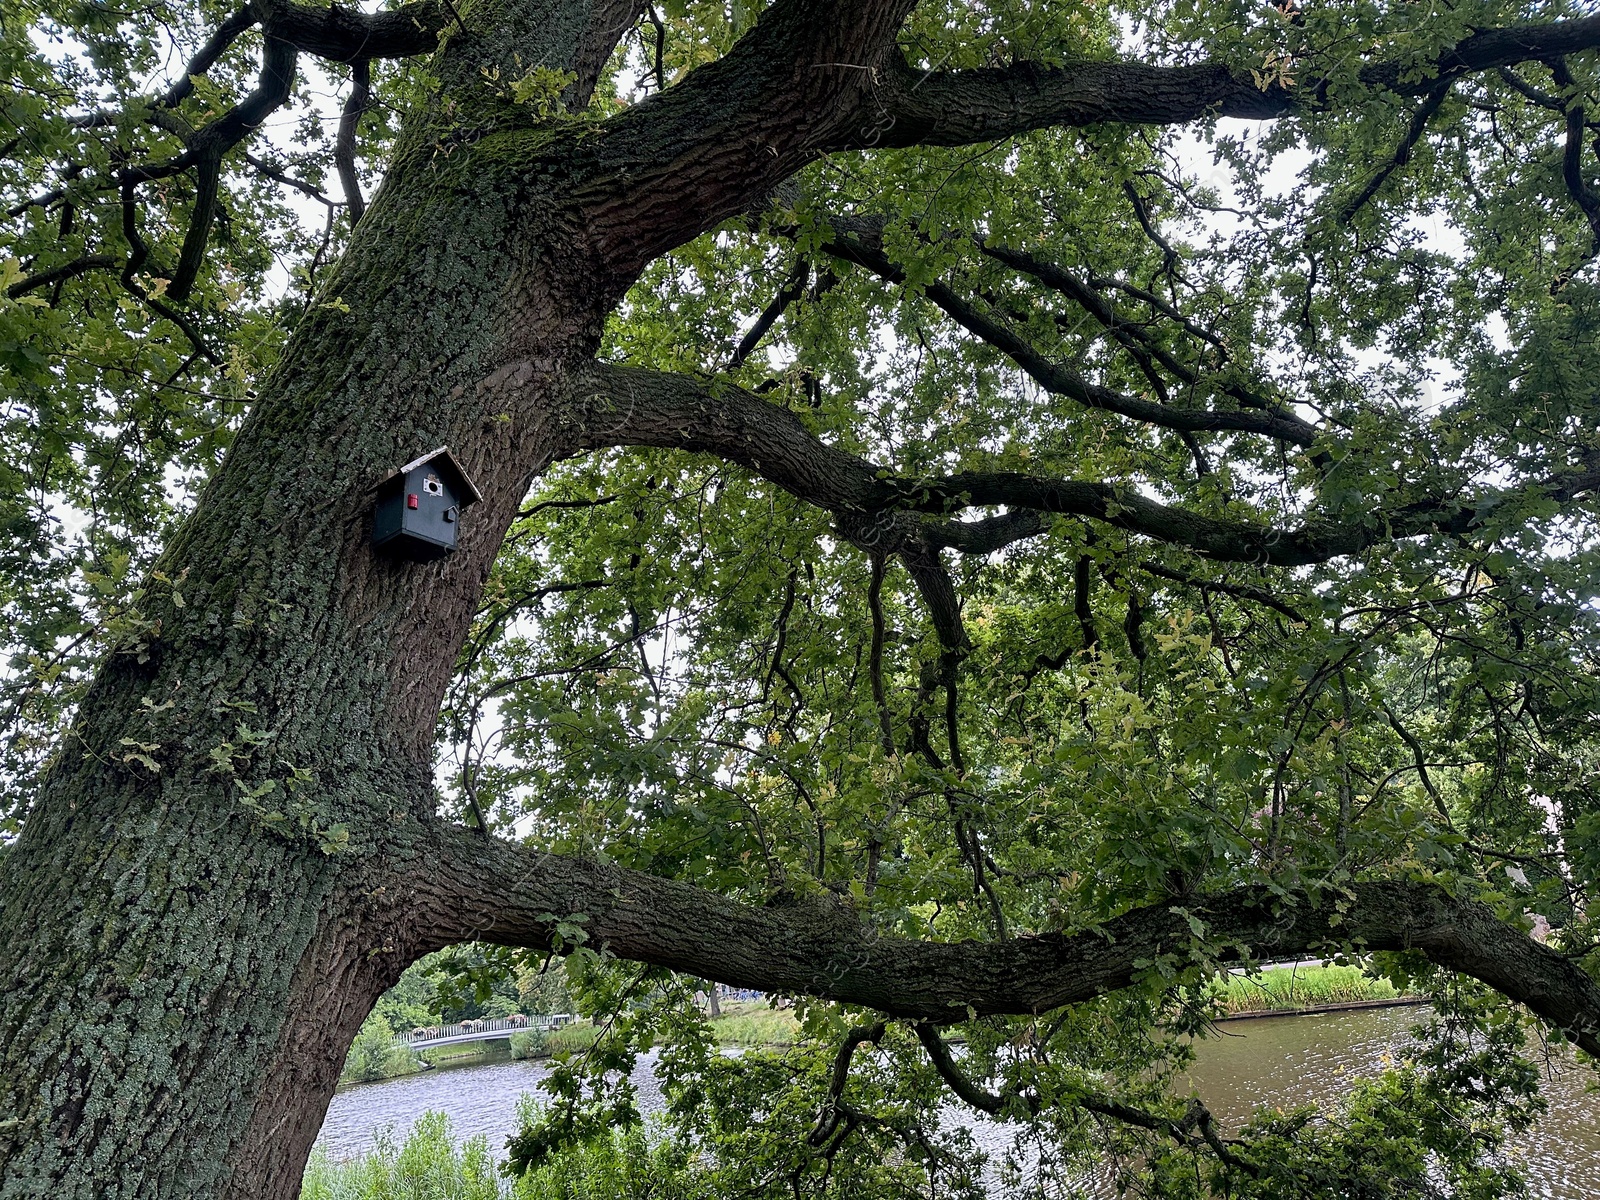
(419, 507)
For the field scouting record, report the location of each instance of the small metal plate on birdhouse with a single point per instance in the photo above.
(418, 513)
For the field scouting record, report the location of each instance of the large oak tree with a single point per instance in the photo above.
(947, 550)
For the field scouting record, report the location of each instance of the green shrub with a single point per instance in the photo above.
(374, 1054)
(530, 1043)
(430, 1166)
(627, 1165)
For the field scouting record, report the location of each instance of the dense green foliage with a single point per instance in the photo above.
(374, 1055)
(678, 666)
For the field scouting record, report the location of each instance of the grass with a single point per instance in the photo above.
(436, 1056)
(570, 1039)
(1286, 989)
(755, 1024)
(431, 1165)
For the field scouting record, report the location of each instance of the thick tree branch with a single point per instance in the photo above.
(620, 406)
(801, 80)
(659, 70)
(504, 893)
(344, 33)
(1572, 156)
(335, 32)
(212, 141)
(945, 1064)
(948, 108)
(344, 146)
(793, 288)
(1537, 95)
(205, 150)
(820, 75)
(834, 1108)
(953, 108)
(207, 189)
(885, 533)
(987, 535)
(206, 57)
(67, 270)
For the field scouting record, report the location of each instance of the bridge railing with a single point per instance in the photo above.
(488, 1027)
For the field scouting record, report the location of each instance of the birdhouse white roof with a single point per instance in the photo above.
(445, 462)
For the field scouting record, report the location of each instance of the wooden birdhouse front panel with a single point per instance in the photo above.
(418, 514)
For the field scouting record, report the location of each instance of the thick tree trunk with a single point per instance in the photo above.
(178, 1012)
(211, 893)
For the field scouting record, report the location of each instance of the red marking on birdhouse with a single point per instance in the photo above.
(411, 500)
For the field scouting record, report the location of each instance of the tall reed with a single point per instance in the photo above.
(1287, 989)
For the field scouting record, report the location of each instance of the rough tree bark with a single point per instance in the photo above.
(236, 850)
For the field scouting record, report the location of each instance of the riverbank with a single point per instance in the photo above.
(1278, 991)
(1251, 1065)
(1298, 990)
(741, 1023)
(755, 1023)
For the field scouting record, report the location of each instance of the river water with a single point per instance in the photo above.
(1276, 1061)
(1283, 1061)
